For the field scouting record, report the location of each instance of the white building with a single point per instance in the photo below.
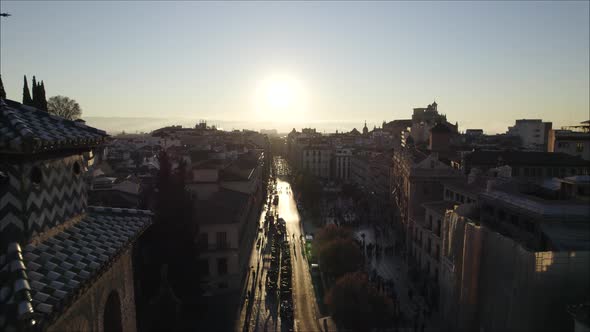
(534, 133)
(573, 140)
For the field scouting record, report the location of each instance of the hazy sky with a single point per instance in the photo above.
(485, 63)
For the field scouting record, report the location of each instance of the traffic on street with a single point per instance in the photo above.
(278, 294)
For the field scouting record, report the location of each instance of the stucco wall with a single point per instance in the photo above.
(86, 314)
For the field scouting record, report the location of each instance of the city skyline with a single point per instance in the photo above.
(486, 64)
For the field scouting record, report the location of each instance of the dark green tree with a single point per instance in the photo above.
(2, 92)
(356, 305)
(34, 91)
(338, 253)
(42, 97)
(27, 100)
(175, 228)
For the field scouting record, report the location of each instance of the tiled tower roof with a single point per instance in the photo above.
(25, 129)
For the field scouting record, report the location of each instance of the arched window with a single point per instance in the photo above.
(112, 313)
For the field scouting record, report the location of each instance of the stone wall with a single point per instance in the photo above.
(87, 313)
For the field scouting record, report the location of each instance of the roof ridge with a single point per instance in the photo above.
(106, 209)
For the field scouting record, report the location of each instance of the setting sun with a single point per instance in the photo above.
(280, 98)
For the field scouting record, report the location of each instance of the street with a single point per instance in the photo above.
(303, 293)
(260, 309)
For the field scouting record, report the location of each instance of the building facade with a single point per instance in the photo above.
(534, 133)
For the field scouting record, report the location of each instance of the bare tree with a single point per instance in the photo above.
(65, 107)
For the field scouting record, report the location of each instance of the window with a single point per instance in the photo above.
(222, 240)
(76, 168)
(112, 313)
(515, 171)
(526, 171)
(529, 226)
(203, 241)
(222, 266)
(204, 267)
(36, 175)
(438, 227)
(437, 252)
(579, 147)
(514, 220)
(430, 222)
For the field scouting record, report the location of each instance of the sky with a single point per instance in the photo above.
(485, 63)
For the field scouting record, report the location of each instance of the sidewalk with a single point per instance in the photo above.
(393, 268)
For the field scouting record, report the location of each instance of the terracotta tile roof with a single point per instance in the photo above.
(25, 129)
(40, 281)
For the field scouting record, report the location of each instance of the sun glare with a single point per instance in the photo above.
(280, 98)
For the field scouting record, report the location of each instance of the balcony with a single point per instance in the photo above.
(216, 247)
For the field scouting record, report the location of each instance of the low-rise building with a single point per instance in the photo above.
(527, 165)
(573, 140)
(534, 133)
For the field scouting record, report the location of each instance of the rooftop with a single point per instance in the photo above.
(440, 206)
(567, 236)
(25, 129)
(524, 158)
(223, 207)
(463, 186)
(44, 279)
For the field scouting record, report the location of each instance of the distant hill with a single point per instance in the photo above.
(115, 125)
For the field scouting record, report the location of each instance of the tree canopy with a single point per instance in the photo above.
(355, 304)
(65, 107)
(338, 253)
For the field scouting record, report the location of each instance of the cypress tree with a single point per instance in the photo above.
(42, 98)
(35, 92)
(2, 92)
(26, 94)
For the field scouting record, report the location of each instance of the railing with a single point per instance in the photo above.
(216, 247)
